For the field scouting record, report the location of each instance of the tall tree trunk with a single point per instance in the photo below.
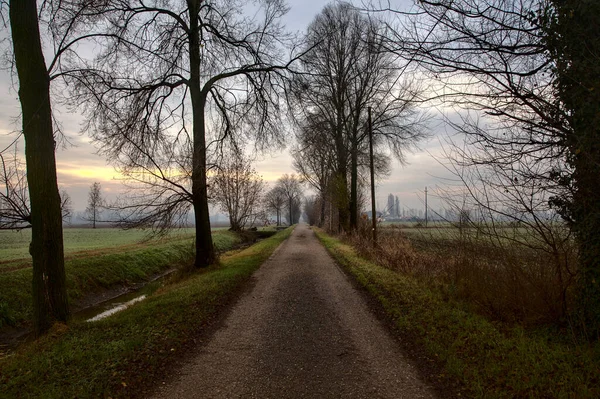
(205, 252)
(354, 183)
(341, 180)
(575, 40)
(322, 216)
(572, 36)
(49, 289)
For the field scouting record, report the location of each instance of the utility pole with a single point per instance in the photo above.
(425, 206)
(373, 210)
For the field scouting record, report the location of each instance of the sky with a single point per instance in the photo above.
(79, 165)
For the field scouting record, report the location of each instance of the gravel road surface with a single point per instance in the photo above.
(302, 331)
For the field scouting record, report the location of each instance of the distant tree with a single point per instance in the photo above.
(296, 213)
(275, 202)
(15, 211)
(95, 205)
(311, 211)
(237, 189)
(314, 160)
(291, 187)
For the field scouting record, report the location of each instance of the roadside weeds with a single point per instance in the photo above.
(489, 359)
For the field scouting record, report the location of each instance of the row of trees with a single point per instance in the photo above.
(347, 72)
(239, 191)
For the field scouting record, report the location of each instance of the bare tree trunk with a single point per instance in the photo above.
(205, 253)
(354, 183)
(341, 181)
(49, 289)
(322, 216)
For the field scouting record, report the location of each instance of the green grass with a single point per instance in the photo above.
(15, 244)
(125, 353)
(490, 360)
(90, 272)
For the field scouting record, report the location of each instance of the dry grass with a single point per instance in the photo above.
(502, 279)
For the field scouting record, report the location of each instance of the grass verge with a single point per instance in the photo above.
(490, 360)
(124, 354)
(90, 273)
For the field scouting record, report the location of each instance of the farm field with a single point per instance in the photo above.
(15, 244)
(447, 232)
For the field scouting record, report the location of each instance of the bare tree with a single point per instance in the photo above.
(314, 160)
(291, 188)
(96, 205)
(49, 282)
(524, 67)
(348, 71)
(237, 189)
(197, 64)
(275, 202)
(310, 209)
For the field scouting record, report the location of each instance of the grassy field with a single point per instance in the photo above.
(15, 244)
(105, 259)
(128, 352)
(490, 359)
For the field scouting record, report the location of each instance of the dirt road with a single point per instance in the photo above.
(303, 331)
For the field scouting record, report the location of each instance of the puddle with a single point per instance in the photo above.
(116, 309)
(118, 303)
(11, 337)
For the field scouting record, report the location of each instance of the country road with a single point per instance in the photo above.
(302, 331)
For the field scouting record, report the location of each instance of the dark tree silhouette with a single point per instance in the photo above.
(275, 202)
(174, 81)
(49, 289)
(348, 71)
(291, 188)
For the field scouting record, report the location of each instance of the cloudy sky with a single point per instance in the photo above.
(79, 165)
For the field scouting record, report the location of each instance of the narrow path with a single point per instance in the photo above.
(303, 331)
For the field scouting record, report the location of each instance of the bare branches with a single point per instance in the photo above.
(95, 205)
(237, 189)
(349, 70)
(15, 212)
